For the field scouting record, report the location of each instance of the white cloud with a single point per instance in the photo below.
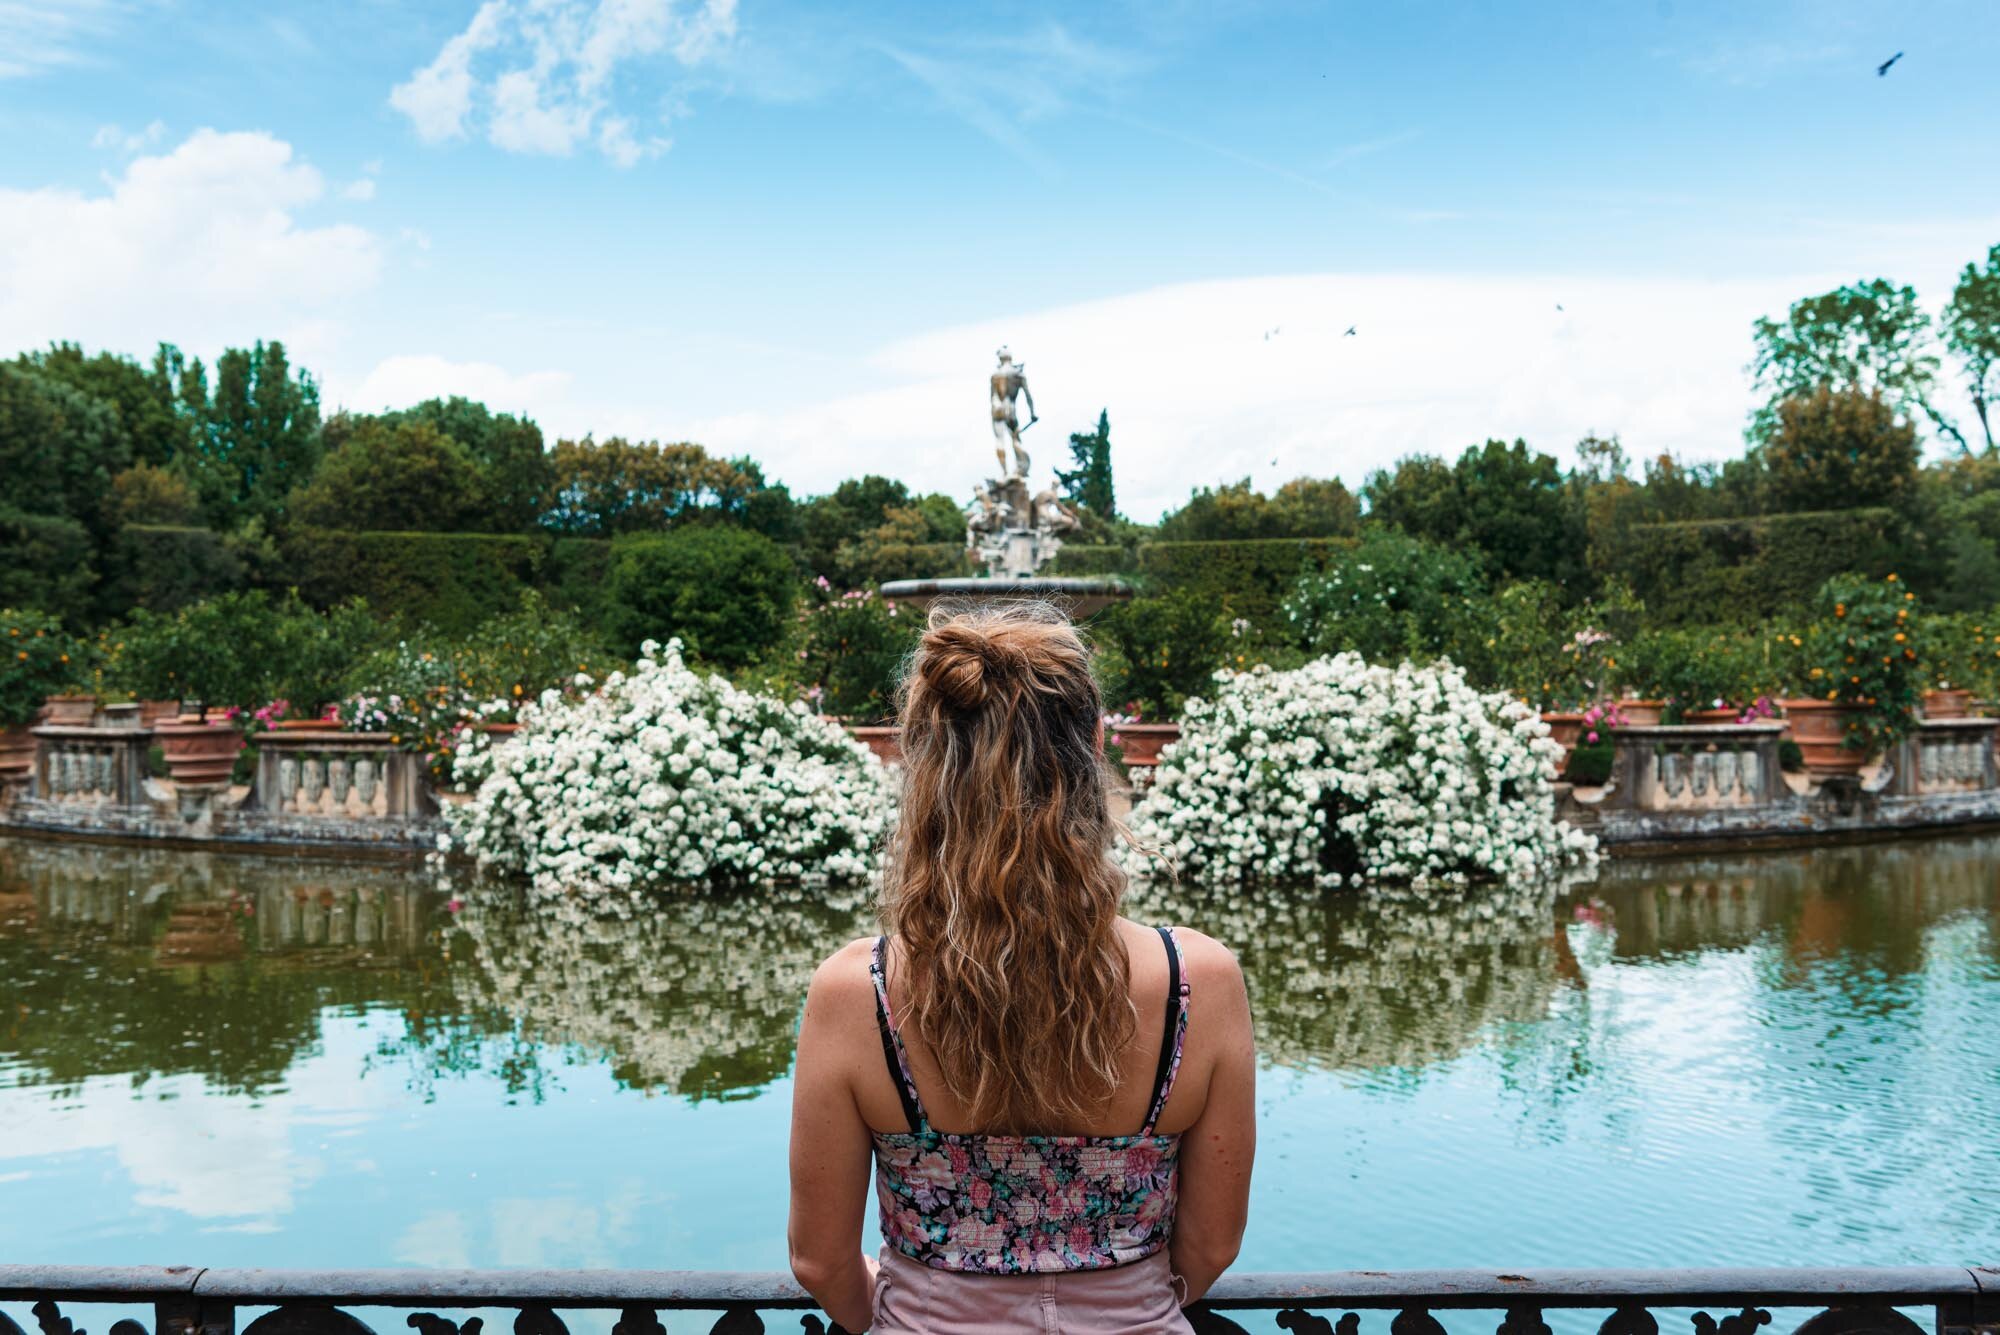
(202, 244)
(360, 191)
(401, 381)
(542, 75)
(114, 136)
(37, 36)
(1197, 395)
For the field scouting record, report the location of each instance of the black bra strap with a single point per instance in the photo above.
(1170, 1036)
(890, 1055)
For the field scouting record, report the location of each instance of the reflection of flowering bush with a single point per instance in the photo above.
(1341, 771)
(667, 775)
(1388, 977)
(699, 994)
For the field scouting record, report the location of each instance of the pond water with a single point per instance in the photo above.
(1784, 1058)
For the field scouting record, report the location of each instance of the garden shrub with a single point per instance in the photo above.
(1862, 650)
(1080, 560)
(1155, 652)
(726, 593)
(851, 648)
(668, 776)
(1249, 578)
(45, 562)
(1343, 772)
(243, 649)
(38, 659)
(1392, 597)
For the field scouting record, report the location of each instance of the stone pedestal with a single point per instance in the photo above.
(1945, 755)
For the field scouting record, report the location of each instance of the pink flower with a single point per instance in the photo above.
(454, 905)
(1591, 736)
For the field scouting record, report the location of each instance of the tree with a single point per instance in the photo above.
(1089, 483)
(1237, 512)
(1315, 507)
(254, 436)
(725, 592)
(516, 476)
(1972, 332)
(1833, 450)
(142, 399)
(622, 486)
(395, 476)
(146, 494)
(1871, 337)
(1509, 504)
(904, 545)
(851, 509)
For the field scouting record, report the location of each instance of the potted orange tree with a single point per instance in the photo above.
(40, 661)
(1857, 674)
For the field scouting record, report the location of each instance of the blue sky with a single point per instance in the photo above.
(799, 231)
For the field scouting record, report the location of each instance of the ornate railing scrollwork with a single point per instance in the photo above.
(192, 1301)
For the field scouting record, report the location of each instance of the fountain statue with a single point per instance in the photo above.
(1010, 528)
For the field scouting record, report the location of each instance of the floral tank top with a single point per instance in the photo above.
(1009, 1205)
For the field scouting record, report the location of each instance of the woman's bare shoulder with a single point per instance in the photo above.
(842, 978)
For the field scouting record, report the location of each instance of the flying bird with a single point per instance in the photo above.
(1559, 305)
(1275, 329)
(1349, 333)
(1882, 70)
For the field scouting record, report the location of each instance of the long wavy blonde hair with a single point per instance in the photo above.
(1000, 887)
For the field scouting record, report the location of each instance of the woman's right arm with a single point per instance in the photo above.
(1216, 1152)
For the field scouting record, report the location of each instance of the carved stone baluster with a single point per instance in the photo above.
(738, 1321)
(1673, 776)
(429, 1323)
(312, 782)
(641, 1321)
(1416, 1321)
(288, 783)
(364, 783)
(1701, 772)
(337, 782)
(1523, 1321)
(1727, 772)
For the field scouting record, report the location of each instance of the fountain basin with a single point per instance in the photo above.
(1079, 598)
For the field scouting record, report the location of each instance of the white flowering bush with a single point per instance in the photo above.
(667, 776)
(1341, 772)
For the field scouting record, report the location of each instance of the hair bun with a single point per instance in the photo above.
(954, 663)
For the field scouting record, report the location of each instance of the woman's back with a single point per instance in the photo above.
(1059, 1102)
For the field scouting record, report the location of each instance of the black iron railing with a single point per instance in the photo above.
(187, 1300)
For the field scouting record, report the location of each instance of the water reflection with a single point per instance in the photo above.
(1721, 1058)
(1389, 978)
(698, 996)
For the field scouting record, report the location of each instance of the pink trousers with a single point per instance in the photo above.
(1136, 1299)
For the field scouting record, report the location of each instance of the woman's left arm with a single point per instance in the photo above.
(830, 1143)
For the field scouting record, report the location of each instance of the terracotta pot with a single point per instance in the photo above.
(218, 714)
(1642, 713)
(884, 740)
(499, 729)
(199, 752)
(17, 752)
(157, 711)
(1710, 717)
(1141, 743)
(1565, 728)
(71, 711)
(1820, 729)
(1947, 704)
(306, 725)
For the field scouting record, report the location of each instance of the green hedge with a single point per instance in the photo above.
(1084, 559)
(1248, 578)
(1747, 569)
(163, 567)
(453, 581)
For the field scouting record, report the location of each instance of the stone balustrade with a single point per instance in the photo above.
(1952, 755)
(1698, 768)
(344, 776)
(81, 766)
